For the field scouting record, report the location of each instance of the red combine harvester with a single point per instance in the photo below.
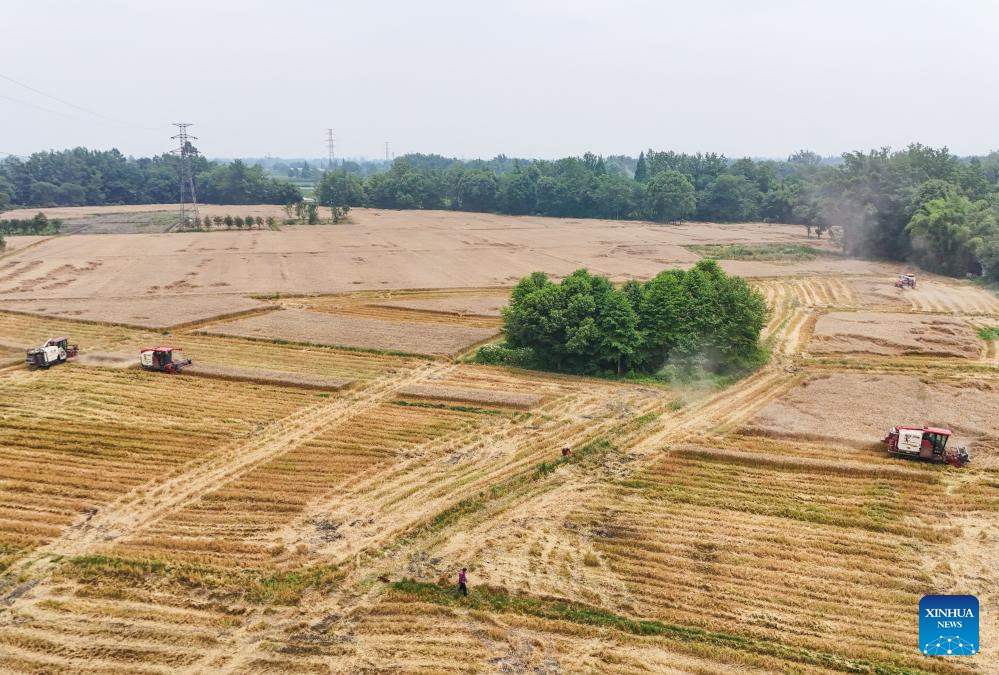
(163, 359)
(926, 443)
(907, 280)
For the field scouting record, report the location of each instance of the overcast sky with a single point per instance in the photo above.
(529, 78)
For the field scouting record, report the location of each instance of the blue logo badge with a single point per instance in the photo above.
(948, 625)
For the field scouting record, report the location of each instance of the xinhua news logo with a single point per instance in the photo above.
(948, 625)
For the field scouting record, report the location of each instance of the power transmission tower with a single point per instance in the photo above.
(386, 151)
(188, 199)
(329, 142)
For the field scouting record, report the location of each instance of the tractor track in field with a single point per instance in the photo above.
(151, 502)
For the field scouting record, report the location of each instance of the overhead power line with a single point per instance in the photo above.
(66, 103)
(35, 106)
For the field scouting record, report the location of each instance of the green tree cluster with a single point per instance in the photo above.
(700, 318)
(39, 224)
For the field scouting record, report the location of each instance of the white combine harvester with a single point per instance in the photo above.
(54, 350)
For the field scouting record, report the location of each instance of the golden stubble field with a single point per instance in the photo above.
(161, 524)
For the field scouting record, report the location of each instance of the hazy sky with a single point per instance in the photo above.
(530, 78)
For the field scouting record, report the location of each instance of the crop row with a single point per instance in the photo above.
(241, 522)
(789, 554)
(72, 439)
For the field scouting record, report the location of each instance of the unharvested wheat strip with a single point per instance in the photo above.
(267, 376)
(488, 397)
(787, 463)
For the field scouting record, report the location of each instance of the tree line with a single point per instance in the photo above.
(699, 319)
(39, 224)
(81, 177)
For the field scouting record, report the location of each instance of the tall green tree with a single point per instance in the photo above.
(617, 324)
(641, 169)
(948, 233)
(670, 197)
(731, 199)
(339, 188)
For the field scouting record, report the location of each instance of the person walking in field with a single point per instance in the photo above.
(463, 581)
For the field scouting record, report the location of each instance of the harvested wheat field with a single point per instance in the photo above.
(153, 312)
(859, 408)
(302, 498)
(893, 334)
(459, 306)
(378, 250)
(295, 325)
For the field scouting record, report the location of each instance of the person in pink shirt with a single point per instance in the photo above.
(463, 581)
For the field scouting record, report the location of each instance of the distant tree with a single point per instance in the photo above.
(238, 222)
(476, 190)
(948, 233)
(340, 188)
(988, 255)
(229, 221)
(70, 194)
(670, 197)
(517, 192)
(615, 197)
(260, 221)
(218, 220)
(44, 193)
(805, 158)
(339, 213)
(731, 199)
(934, 189)
(641, 169)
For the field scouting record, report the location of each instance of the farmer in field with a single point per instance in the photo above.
(463, 581)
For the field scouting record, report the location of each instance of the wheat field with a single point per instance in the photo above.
(152, 523)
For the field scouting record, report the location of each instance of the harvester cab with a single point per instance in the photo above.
(925, 443)
(54, 350)
(163, 359)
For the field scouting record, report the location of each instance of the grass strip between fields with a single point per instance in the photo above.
(457, 408)
(761, 252)
(484, 598)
